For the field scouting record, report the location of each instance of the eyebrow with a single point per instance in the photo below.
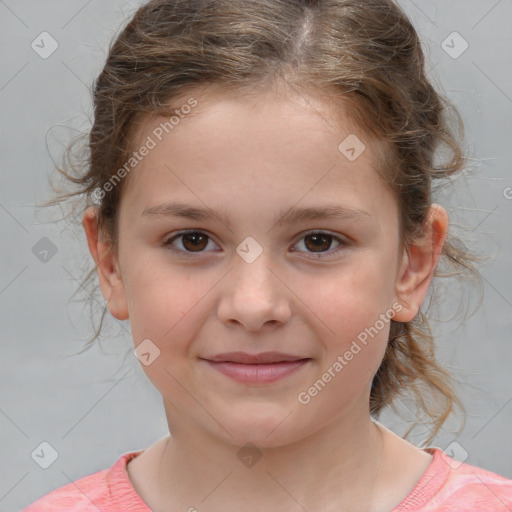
(291, 216)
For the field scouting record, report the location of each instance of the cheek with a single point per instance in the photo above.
(168, 309)
(162, 301)
(355, 306)
(350, 299)
(358, 315)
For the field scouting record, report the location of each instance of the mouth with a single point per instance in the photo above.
(261, 358)
(256, 368)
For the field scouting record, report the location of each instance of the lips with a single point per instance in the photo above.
(261, 358)
(261, 368)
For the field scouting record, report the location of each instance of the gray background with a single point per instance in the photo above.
(95, 406)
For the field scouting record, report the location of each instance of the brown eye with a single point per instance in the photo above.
(319, 242)
(195, 241)
(191, 241)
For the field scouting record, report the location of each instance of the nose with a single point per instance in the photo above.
(254, 295)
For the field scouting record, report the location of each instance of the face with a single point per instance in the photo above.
(252, 276)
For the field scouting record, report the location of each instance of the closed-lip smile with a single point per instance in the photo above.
(260, 368)
(260, 358)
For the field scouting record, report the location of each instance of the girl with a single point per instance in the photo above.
(259, 207)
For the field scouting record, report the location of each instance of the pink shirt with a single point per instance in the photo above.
(445, 486)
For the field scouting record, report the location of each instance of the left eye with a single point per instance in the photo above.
(196, 241)
(319, 242)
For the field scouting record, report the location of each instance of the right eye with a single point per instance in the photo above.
(192, 241)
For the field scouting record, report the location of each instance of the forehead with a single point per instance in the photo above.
(253, 146)
(275, 110)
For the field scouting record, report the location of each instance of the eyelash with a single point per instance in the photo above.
(168, 243)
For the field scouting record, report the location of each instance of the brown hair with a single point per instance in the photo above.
(364, 54)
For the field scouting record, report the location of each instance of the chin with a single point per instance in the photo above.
(262, 426)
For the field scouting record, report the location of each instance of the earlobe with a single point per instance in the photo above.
(419, 262)
(109, 274)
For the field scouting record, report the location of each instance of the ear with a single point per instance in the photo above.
(107, 265)
(419, 263)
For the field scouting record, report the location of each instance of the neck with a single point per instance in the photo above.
(212, 474)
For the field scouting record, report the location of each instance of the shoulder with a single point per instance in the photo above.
(99, 491)
(449, 485)
(475, 487)
(79, 495)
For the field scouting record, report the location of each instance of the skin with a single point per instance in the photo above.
(250, 157)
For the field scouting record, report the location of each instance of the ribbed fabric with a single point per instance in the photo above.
(109, 490)
(444, 487)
